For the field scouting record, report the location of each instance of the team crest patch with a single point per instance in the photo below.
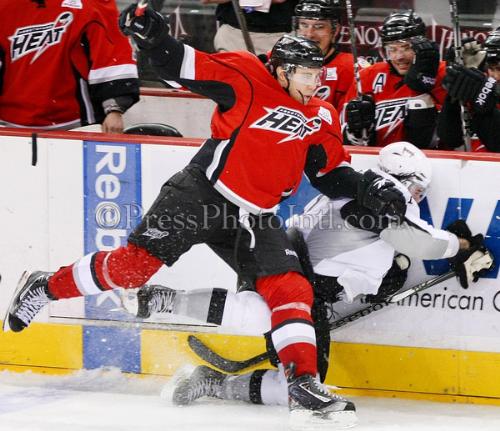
(324, 114)
(289, 122)
(331, 74)
(38, 38)
(73, 4)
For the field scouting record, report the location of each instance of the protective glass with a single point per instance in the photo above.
(308, 26)
(396, 49)
(417, 190)
(307, 76)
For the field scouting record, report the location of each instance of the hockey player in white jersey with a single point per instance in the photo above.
(351, 253)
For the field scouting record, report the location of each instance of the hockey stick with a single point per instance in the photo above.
(457, 41)
(227, 365)
(354, 50)
(243, 26)
(391, 300)
(231, 366)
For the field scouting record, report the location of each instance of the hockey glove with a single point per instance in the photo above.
(381, 196)
(471, 85)
(393, 280)
(460, 229)
(360, 119)
(422, 74)
(472, 53)
(148, 30)
(471, 264)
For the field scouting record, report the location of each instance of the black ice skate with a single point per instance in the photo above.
(30, 296)
(154, 299)
(203, 382)
(312, 406)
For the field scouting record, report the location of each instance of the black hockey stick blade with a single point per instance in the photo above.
(223, 364)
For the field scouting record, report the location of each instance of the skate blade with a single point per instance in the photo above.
(20, 284)
(308, 420)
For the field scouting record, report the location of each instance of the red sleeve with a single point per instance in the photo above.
(110, 51)
(439, 93)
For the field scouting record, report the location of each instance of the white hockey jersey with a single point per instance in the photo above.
(361, 258)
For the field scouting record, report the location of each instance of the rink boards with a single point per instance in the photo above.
(85, 195)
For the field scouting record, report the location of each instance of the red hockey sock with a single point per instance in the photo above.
(290, 297)
(126, 267)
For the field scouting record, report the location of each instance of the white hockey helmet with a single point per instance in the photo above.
(409, 165)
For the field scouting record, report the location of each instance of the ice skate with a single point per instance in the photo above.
(30, 296)
(154, 299)
(147, 300)
(312, 406)
(203, 382)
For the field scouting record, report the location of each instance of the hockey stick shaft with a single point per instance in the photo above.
(354, 50)
(391, 300)
(242, 22)
(457, 42)
(231, 366)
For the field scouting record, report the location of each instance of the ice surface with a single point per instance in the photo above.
(106, 400)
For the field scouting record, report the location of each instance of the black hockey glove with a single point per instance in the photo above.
(148, 30)
(459, 228)
(381, 196)
(471, 263)
(360, 119)
(422, 74)
(393, 280)
(471, 85)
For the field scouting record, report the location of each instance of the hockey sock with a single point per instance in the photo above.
(290, 297)
(267, 387)
(126, 267)
(206, 305)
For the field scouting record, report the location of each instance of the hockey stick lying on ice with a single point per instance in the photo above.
(231, 366)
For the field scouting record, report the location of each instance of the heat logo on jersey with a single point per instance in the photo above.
(389, 114)
(288, 121)
(38, 38)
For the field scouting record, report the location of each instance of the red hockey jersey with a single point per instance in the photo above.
(62, 58)
(262, 139)
(338, 78)
(391, 97)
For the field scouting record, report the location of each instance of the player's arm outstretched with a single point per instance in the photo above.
(173, 60)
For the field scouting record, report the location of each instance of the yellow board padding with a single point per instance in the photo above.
(414, 369)
(433, 374)
(163, 352)
(43, 345)
(459, 399)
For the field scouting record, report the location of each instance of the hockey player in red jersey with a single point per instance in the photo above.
(400, 95)
(64, 64)
(266, 130)
(319, 21)
(479, 92)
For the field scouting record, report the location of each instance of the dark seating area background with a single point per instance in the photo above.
(195, 23)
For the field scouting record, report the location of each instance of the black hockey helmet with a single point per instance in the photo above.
(318, 9)
(492, 47)
(296, 50)
(402, 25)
